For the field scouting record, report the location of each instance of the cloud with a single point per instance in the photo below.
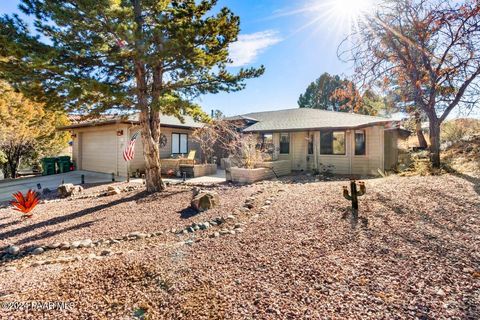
(250, 46)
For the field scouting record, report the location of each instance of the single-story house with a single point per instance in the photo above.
(98, 145)
(343, 143)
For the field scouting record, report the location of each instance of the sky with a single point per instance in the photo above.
(296, 41)
(293, 54)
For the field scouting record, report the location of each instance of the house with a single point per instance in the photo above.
(342, 143)
(98, 145)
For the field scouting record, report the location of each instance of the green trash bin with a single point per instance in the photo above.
(48, 166)
(63, 164)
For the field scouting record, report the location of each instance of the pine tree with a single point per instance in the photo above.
(148, 56)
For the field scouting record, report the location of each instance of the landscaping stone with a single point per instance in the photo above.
(10, 269)
(87, 243)
(91, 256)
(111, 191)
(205, 200)
(68, 189)
(106, 252)
(13, 250)
(215, 234)
(38, 250)
(230, 217)
(76, 244)
(54, 245)
(64, 246)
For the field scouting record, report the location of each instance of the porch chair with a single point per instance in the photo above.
(190, 160)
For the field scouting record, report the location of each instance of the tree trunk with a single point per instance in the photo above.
(149, 116)
(435, 142)
(151, 150)
(422, 142)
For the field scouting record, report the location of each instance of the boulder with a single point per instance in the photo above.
(68, 189)
(196, 191)
(205, 200)
(111, 191)
(13, 250)
(38, 250)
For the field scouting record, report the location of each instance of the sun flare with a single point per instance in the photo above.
(340, 16)
(351, 9)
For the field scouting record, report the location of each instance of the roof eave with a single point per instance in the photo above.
(321, 128)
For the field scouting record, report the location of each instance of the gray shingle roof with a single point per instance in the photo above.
(166, 121)
(305, 119)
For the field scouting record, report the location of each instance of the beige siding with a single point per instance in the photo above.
(391, 149)
(166, 152)
(98, 149)
(339, 164)
(370, 163)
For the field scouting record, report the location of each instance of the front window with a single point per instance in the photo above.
(284, 143)
(266, 142)
(332, 142)
(360, 143)
(179, 143)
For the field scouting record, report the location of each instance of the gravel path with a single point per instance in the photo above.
(413, 253)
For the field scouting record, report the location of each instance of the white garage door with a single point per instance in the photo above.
(99, 150)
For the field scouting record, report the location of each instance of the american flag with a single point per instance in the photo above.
(129, 152)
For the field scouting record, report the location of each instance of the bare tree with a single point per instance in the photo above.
(218, 136)
(427, 50)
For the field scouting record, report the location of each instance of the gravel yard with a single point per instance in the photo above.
(414, 252)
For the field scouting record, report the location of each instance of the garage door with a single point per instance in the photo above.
(99, 149)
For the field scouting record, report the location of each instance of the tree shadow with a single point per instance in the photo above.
(49, 234)
(187, 213)
(11, 223)
(473, 180)
(69, 217)
(159, 196)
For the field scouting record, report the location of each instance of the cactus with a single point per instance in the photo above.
(354, 194)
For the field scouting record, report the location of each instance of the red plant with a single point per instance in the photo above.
(26, 203)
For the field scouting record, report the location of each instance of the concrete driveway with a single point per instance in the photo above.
(51, 182)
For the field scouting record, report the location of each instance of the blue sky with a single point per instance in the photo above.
(294, 54)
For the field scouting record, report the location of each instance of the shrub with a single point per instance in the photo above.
(456, 130)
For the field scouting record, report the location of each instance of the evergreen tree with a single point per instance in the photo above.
(150, 56)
